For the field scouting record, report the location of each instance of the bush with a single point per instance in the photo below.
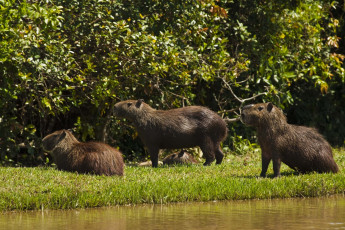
(65, 63)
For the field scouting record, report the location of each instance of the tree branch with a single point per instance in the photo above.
(242, 101)
(231, 120)
(228, 111)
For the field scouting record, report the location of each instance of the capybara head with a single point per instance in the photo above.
(53, 139)
(130, 109)
(261, 114)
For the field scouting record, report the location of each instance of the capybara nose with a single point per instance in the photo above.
(247, 107)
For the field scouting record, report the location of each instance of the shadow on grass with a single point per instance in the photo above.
(270, 175)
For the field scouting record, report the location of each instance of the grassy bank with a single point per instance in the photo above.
(236, 178)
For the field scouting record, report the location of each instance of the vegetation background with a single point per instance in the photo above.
(64, 63)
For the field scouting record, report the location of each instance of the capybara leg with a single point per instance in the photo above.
(219, 155)
(208, 152)
(154, 156)
(276, 166)
(208, 162)
(265, 161)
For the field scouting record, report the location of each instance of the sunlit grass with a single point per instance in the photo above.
(236, 178)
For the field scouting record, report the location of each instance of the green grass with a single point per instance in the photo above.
(236, 178)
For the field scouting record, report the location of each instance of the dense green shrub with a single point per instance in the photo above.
(64, 63)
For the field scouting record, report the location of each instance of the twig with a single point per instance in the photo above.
(231, 120)
(237, 98)
(240, 82)
(228, 111)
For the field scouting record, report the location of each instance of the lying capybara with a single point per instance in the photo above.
(301, 148)
(176, 128)
(179, 158)
(148, 163)
(92, 157)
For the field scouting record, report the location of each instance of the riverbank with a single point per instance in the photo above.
(235, 179)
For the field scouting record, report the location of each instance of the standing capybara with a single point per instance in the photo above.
(179, 158)
(93, 157)
(176, 128)
(301, 148)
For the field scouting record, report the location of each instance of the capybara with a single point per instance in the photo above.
(175, 128)
(148, 163)
(179, 158)
(301, 148)
(92, 157)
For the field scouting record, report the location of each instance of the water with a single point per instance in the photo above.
(308, 213)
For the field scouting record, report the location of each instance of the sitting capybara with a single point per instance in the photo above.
(179, 158)
(92, 157)
(301, 148)
(176, 128)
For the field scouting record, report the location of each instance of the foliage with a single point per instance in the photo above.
(64, 63)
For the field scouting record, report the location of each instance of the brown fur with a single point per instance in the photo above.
(93, 157)
(301, 148)
(176, 128)
(179, 158)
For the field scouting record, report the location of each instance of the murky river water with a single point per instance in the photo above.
(308, 213)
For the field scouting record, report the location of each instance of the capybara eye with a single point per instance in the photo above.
(129, 104)
(260, 108)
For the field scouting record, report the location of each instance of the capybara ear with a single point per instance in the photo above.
(181, 153)
(139, 102)
(269, 107)
(63, 134)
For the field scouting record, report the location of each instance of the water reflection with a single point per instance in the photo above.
(308, 213)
